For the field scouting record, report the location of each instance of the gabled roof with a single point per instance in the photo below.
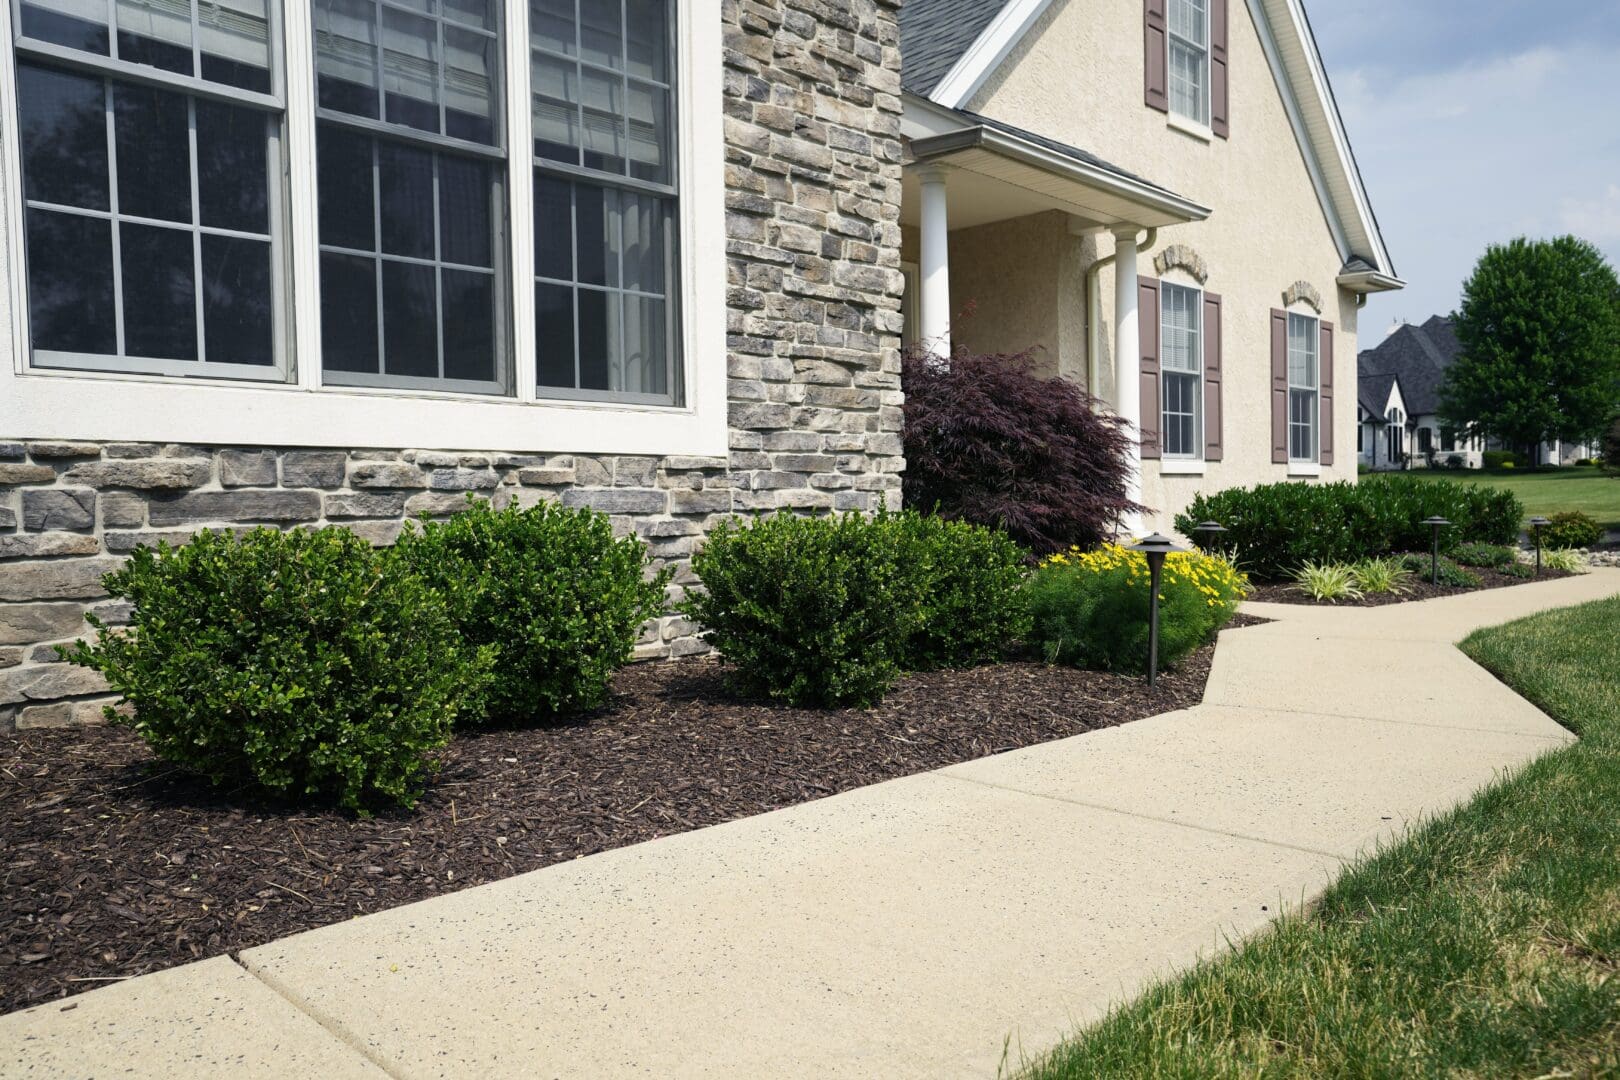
(1419, 356)
(1372, 394)
(949, 48)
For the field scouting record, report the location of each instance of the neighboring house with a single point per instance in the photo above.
(1419, 355)
(1382, 425)
(269, 262)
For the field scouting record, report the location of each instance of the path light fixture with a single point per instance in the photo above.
(1435, 524)
(1535, 527)
(1205, 532)
(1155, 547)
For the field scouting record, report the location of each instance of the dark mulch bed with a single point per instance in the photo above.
(115, 865)
(1418, 588)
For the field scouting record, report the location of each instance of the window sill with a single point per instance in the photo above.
(1202, 132)
(1181, 467)
(1304, 468)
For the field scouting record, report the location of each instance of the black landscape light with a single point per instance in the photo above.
(1435, 523)
(1155, 547)
(1205, 532)
(1535, 527)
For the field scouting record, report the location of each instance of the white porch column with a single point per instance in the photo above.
(1128, 360)
(934, 308)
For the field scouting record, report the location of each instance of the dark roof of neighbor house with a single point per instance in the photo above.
(935, 33)
(1372, 394)
(1419, 355)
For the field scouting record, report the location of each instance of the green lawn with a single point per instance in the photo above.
(1547, 491)
(1487, 944)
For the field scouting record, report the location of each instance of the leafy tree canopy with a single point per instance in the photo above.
(1540, 334)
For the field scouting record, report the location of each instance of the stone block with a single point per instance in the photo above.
(312, 468)
(199, 507)
(49, 682)
(90, 712)
(24, 624)
(376, 533)
(113, 612)
(33, 545)
(715, 501)
(459, 479)
(365, 504)
(122, 510)
(386, 474)
(124, 450)
(62, 449)
(634, 471)
(57, 579)
(26, 474)
(59, 508)
(618, 500)
(120, 542)
(247, 468)
(589, 472)
(10, 655)
(8, 518)
(435, 504)
(545, 477)
(156, 474)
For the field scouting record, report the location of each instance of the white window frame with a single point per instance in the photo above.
(39, 402)
(1315, 390)
(1198, 376)
(1199, 123)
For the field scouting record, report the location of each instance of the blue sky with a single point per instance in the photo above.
(1475, 121)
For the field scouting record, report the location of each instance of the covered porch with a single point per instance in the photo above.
(1003, 239)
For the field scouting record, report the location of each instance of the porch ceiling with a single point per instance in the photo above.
(999, 173)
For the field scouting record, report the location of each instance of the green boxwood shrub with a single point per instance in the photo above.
(551, 590)
(1571, 529)
(811, 611)
(829, 610)
(1489, 556)
(1499, 459)
(295, 663)
(1274, 529)
(1090, 609)
(1451, 575)
(970, 579)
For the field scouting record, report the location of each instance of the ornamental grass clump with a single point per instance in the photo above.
(1377, 576)
(1090, 608)
(298, 664)
(1568, 560)
(1328, 581)
(551, 590)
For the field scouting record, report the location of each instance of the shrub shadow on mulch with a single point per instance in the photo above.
(116, 864)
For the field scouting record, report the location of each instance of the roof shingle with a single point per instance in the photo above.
(935, 33)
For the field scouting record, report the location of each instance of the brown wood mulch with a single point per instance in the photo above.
(1417, 588)
(112, 864)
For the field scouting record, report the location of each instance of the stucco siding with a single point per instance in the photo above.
(1077, 77)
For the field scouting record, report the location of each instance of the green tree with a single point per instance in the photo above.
(1540, 334)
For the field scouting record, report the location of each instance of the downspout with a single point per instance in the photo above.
(1094, 312)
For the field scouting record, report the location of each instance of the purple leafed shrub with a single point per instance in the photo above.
(989, 442)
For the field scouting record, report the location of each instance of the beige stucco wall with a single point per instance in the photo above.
(1077, 77)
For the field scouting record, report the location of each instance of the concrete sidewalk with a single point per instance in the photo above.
(932, 926)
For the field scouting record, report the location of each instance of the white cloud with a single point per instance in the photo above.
(1596, 219)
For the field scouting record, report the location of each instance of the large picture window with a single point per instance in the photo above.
(1304, 388)
(604, 198)
(1182, 364)
(1188, 45)
(411, 178)
(151, 146)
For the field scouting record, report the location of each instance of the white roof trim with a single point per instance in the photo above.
(1301, 77)
(982, 58)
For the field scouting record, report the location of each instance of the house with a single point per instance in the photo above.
(1418, 356)
(1383, 422)
(272, 263)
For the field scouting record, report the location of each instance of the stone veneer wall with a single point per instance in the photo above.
(813, 153)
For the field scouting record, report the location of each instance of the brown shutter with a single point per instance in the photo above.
(1219, 96)
(1213, 443)
(1152, 403)
(1279, 386)
(1325, 372)
(1155, 36)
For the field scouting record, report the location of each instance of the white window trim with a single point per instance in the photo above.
(1198, 401)
(1180, 466)
(1201, 132)
(42, 403)
(1188, 124)
(1314, 461)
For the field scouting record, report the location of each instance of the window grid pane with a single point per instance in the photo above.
(1188, 54)
(1181, 358)
(136, 260)
(219, 41)
(1304, 339)
(604, 245)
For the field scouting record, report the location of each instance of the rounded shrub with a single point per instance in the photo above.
(556, 596)
(1499, 459)
(1090, 609)
(299, 664)
(811, 611)
(969, 580)
(1488, 556)
(1571, 529)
